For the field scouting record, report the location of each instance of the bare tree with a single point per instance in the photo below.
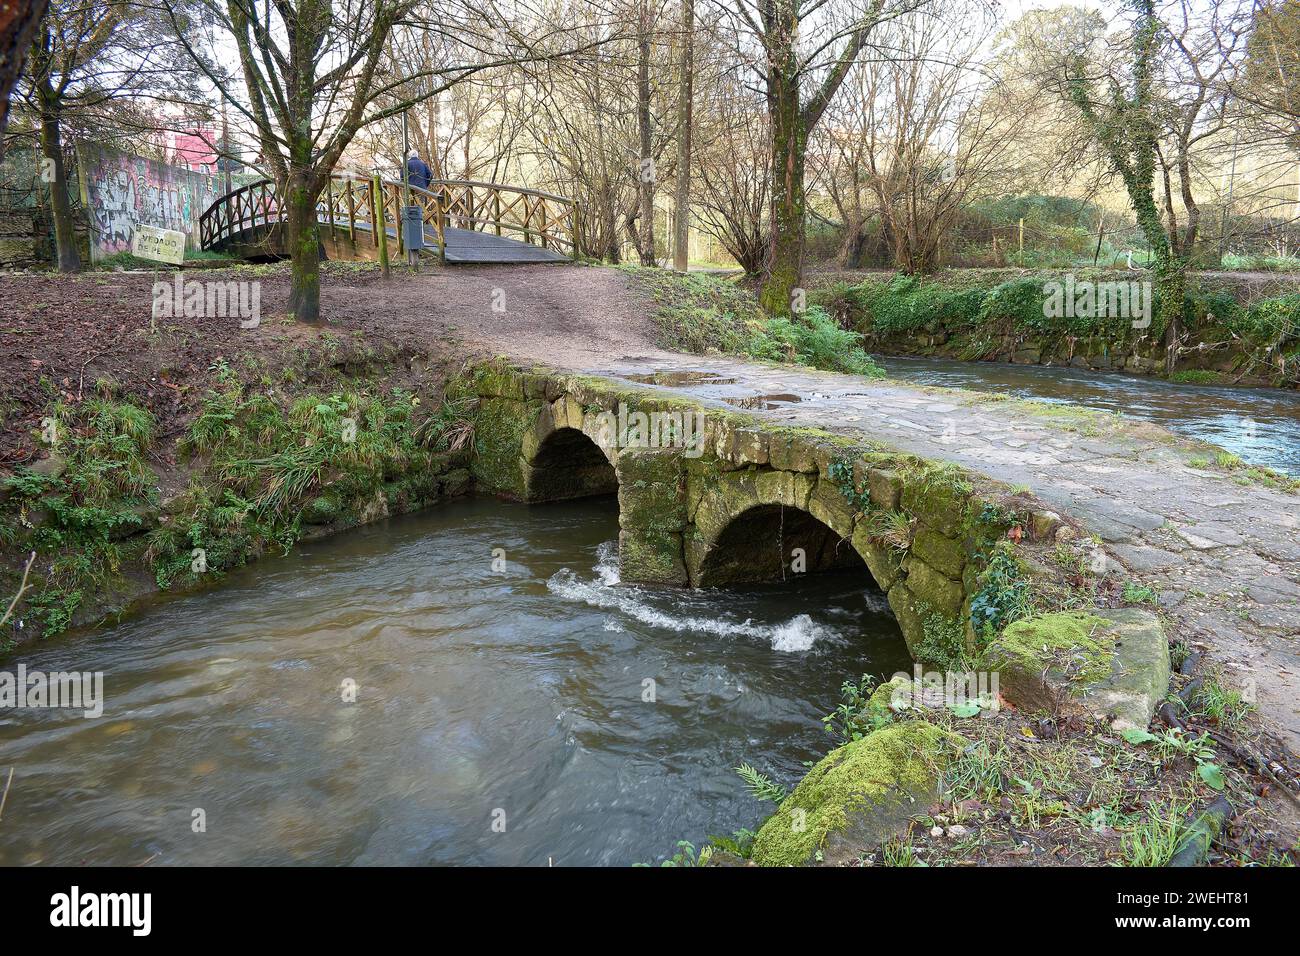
(685, 104)
(733, 171)
(802, 44)
(923, 131)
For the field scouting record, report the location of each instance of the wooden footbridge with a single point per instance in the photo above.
(464, 221)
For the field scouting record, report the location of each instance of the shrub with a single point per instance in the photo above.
(814, 339)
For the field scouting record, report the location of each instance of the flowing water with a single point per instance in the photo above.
(486, 700)
(1262, 425)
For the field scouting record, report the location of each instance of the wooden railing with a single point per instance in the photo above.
(348, 205)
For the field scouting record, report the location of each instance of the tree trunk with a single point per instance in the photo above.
(1171, 283)
(682, 197)
(65, 239)
(303, 243)
(646, 174)
(785, 258)
(17, 28)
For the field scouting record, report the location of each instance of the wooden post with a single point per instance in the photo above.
(496, 209)
(439, 222)
(1022, 240)
(352, 214)
(397, 220)
(575, 234)
(329, 206)
(381, 230)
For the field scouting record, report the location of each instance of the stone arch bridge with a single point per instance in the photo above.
(708, 497)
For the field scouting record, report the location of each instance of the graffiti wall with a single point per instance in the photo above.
(120, 190)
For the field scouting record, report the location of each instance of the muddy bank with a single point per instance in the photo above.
(145, 455)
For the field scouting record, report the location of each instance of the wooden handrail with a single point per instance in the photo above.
(465, 203)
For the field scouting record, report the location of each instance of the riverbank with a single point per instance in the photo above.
(1237, 330)
(146, 454)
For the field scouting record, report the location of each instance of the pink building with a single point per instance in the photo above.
(195, 151)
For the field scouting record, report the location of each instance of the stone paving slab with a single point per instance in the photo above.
(1226, 557)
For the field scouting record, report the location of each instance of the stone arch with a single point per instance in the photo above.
(569, 464)
(725, 515)
(675, 504)
(765, 542)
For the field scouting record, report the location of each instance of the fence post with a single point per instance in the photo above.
(440, 200)
(381, 230)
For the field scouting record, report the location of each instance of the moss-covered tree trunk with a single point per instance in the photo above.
(1169, 268)
(303, 243)
(65, 239)
(788, 204)
(1171, 285)
(18, 25)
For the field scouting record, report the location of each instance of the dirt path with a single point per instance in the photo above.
(569, 317)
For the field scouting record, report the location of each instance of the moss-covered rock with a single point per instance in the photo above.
(320, 510)
(945, 555)
(1109, 663)
(933, 588)
(858, 796)
(1042, 661)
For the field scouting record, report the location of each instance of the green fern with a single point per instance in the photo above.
(761, 785)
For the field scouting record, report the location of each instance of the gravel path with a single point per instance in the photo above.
(569, 317)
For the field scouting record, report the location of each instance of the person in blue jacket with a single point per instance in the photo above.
(418, 172)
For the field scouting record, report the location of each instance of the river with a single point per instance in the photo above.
(498, 717)
(1262, 425)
